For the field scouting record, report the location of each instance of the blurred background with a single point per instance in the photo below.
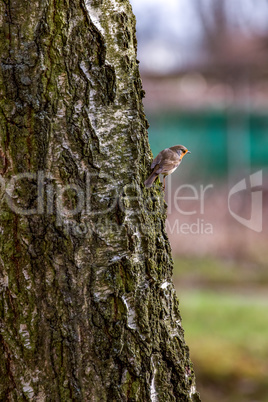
(204, 66)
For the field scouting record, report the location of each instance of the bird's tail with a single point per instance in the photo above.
(148, 182)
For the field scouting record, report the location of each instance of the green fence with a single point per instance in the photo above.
(220, 142)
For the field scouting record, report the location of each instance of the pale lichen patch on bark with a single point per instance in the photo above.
(131, 314)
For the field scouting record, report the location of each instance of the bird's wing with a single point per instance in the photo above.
(157, 160)
(165, 161)
(168, 166)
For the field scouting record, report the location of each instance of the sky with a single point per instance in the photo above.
(164, 30)
(175, 16)
(170, 32)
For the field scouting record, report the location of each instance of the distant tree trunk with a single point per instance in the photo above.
(88, 310)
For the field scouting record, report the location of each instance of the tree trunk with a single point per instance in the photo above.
(88, 309)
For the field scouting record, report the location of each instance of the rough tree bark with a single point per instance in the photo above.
(88, 309)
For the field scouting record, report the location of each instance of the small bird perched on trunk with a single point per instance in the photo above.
(166, 162)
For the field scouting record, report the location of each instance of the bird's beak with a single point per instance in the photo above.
(188, 152)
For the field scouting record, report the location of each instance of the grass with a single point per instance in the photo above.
(210, 272)
(226, 328)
